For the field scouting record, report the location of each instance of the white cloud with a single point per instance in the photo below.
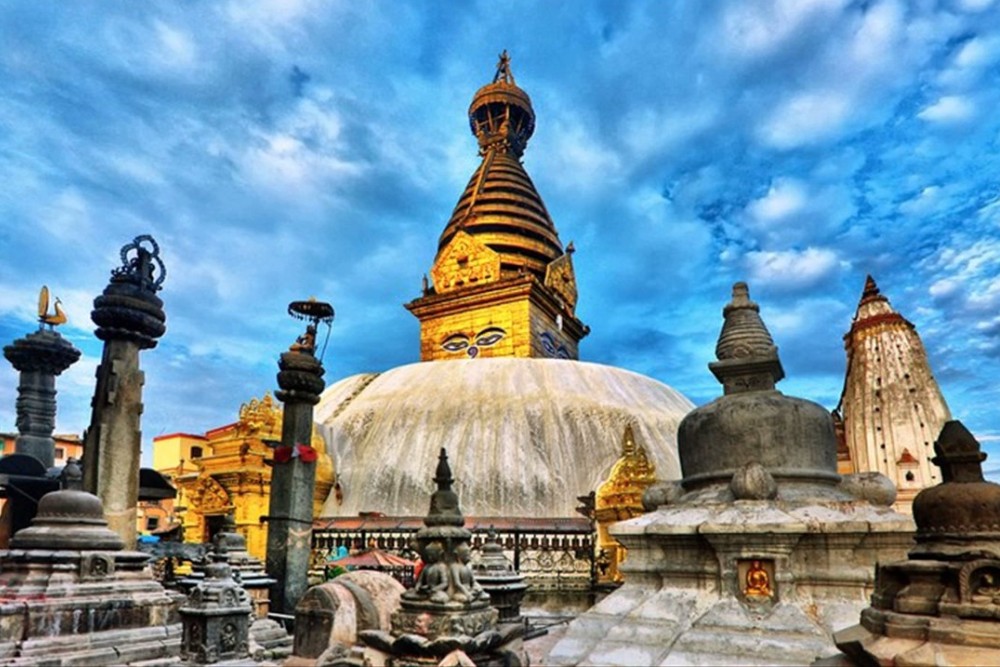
(786, 197)
(791, 270)
(948, 109)
(805, 118)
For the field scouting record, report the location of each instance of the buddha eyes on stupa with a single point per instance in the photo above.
(486, 338)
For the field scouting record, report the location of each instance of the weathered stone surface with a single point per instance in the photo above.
(65, 603)
(874, 487)
(129, 318)
(942, 605)
(384, 430)
(764, 557)
(39, 357)
(290, 515)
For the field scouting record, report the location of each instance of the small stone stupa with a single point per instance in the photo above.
(942, 606)
(71, 594)
(760, 552)
(446, 611)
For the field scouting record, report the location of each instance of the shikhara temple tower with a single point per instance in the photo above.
(502, 283)
(891, 409)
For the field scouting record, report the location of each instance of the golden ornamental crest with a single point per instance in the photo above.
(259, 416)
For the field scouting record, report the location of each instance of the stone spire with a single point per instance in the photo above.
(500, 249)
(129, 317)
(39, 357)
(891, 407)
(748, 357)
(293, 481)
(446, 611)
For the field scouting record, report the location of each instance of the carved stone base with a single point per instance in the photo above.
(500, 645)
(433, 624)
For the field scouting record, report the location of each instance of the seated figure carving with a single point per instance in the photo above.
(758, 582)
(466, 587)
(434, 580)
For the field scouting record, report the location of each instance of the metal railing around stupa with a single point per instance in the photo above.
(552, 554)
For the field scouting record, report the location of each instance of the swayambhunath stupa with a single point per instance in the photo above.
(483, 441)
(500, 384)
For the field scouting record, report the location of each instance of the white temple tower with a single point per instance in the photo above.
(891, 409)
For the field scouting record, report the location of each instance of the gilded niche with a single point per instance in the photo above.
(464, 262)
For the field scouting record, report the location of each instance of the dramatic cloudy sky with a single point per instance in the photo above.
(283, 149)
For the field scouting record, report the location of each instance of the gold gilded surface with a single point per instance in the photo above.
(559, 276)
(756, 578)
(260, 416)
(44, 316)
(619, 497)
(465, 261)
(502, 285)
(232, 474)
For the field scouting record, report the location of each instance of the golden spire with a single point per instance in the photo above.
(500, 205)
(502, 285)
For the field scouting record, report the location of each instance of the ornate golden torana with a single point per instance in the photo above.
(502, 283)
(620, 497)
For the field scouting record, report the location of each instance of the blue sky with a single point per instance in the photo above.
(278, 150)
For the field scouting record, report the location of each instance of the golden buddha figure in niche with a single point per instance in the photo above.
(758, 581)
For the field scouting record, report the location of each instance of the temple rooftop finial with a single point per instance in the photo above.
(871, 290)
(504, 74)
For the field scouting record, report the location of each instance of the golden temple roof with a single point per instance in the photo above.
(500, 206)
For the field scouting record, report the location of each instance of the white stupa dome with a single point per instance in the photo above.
(524, 436)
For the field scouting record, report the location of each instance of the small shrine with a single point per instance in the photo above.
(760, 552)
(496, 574)
(72, 594)
(216, 618)
(447, 611)
(619, 498)
(941, 606)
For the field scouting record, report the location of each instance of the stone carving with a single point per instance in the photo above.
(753, 482)
(758, 582)
(730, 572)
(74, 596)
(661, 493)
(446, 609)
(216, 618)
(39, 357)
(942, 604)
(874, 487)
(129, 317)
(293, 481)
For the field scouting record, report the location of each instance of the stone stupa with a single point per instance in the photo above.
(942, 605)
(72, 594)
(446, 613)
(760, 552)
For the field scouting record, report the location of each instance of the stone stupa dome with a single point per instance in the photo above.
(525, 436)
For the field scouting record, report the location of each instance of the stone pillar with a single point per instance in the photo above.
(39, 357)
(129, 318)
(289, 532)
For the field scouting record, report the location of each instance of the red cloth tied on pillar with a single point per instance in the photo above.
(286, 454)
